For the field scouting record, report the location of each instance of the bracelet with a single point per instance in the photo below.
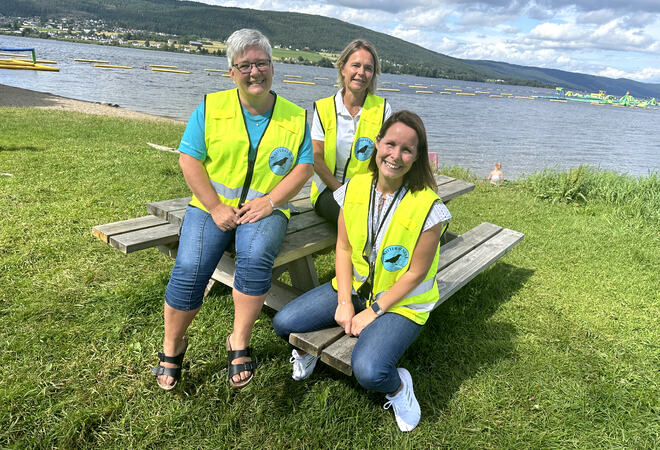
(272, 205)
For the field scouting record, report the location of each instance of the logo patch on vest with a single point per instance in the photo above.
(280, 161)
(363, 148)
(395, 257)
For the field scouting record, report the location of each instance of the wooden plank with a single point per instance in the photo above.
(146, 238)
(176, 216)
(162, 208)
(338, 354)
(464, 243)
(103, 232)
(306, 242)
(296, 223)
(454, 189)
(303, 273)
(442, 179)
(458, 274)
(315, 341)
(304, 220)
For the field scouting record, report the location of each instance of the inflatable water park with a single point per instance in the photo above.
(23, 61)
(601, 98)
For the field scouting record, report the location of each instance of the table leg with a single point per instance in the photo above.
(303, 273)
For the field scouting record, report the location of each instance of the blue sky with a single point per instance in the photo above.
(612, 38)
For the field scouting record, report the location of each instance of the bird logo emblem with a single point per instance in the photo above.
(395, 257)
(363, 149)
(280, 161)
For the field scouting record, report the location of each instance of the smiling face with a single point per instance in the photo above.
(396, 152)
(358, 71)
(256, 84)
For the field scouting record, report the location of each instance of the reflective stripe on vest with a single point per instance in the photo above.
(396, 250)
(371, 119)
(232, 176)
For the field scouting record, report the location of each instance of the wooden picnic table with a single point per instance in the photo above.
(461, 257)
(307, 234)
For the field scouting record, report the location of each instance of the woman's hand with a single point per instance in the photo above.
(255, 209)
(344, 314)
(361, 320)
(225, 216)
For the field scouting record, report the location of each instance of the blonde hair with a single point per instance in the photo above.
(348, 51)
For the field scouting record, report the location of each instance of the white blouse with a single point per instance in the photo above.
(439, 212)
(346, 128)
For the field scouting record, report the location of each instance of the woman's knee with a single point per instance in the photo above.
(368, 372)
(281, 325)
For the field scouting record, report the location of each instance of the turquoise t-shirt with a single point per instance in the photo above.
(194, 144)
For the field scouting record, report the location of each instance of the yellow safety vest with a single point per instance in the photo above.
(235, 179)
(396, 250)
(371, 119)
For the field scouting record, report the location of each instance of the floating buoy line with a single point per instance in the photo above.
(98, 61)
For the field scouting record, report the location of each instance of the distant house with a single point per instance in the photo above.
(196, 44)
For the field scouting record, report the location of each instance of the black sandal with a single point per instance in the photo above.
(174, 372)
(234, 369)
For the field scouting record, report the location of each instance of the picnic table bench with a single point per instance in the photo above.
(461, 257)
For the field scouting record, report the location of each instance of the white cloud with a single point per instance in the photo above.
(647, 74)
(558, 32)
(601, 37)
(423, 17)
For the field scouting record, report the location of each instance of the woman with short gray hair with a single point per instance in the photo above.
(242, 167)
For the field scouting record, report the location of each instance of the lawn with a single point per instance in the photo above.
(555, 346)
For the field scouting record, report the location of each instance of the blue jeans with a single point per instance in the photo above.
(201, 246)
(380, 345)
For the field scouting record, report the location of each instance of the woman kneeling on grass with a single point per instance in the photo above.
(386, 261)
(245, 152)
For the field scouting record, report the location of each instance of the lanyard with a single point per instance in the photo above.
(373, 230)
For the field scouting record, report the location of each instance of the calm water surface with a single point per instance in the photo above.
(469, 131)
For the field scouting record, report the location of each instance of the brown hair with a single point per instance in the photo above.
(348, 51)
(420, 174)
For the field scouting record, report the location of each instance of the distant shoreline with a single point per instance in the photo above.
(19, 97)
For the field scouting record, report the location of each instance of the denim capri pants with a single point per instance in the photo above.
(202, 244)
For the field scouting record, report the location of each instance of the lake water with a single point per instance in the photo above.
(468, 131)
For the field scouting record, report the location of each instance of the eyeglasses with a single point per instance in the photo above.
(246, 67)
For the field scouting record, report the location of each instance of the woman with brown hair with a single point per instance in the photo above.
(386, 262)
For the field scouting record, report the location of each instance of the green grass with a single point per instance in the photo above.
(282, 53)
(556, 346)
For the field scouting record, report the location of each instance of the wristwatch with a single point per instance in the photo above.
(376, 308)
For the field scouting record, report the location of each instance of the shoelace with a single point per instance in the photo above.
(406, 399)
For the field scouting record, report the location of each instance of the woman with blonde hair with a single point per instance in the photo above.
(345, 126)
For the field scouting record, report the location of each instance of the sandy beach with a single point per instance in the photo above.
(13, 96)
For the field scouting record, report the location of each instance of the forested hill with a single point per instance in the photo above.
(317, 33)
(283, 28)
(572, 80)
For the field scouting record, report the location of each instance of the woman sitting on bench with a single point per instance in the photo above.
(245, 152)
(386, 261)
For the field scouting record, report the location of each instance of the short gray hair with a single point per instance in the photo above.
(241, 39)
(348, 51)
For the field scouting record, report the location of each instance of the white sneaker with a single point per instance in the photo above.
(303, 365)
(406, 407)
